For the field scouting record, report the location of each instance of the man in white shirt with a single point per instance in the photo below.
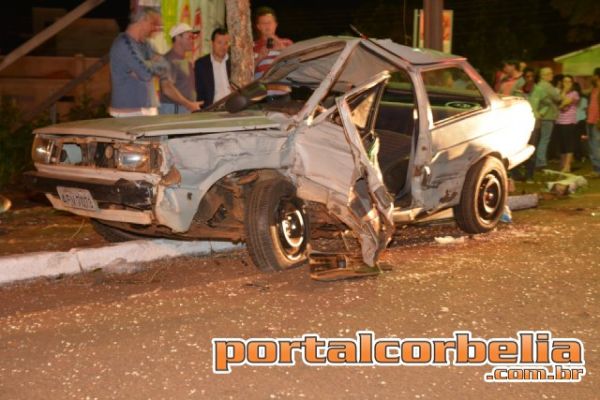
(213, 70)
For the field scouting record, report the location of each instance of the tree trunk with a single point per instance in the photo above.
(240, 31)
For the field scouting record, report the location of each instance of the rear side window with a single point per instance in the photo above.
(451, 92)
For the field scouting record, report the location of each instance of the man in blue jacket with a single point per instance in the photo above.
(212, 71)
(137, 71)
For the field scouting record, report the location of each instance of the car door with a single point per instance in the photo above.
(458, 118)
(339, 153)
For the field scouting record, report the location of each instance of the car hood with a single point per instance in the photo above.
(189, 124)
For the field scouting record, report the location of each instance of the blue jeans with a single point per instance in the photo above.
(541, 152)
(171, 108)
(594, 142)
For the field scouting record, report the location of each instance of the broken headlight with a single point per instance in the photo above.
(133, 158)
(42, 150)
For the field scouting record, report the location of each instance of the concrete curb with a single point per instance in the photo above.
(48, 264)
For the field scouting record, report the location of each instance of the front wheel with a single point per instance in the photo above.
(483, 196)
(277, 226)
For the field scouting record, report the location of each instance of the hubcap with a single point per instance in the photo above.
(291, 229)
(489, 197)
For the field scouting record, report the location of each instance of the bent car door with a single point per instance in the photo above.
(356, 193)
(459, 122)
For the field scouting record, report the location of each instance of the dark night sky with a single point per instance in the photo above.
(301, 19)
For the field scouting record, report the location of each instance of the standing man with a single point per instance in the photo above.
(593, 124)
(544, 100)
(268, 45)
(513, 78)
(214, 69)
(137, 71)
(181, 69)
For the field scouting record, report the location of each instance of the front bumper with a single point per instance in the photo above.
(134, 194)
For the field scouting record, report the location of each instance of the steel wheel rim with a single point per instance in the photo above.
(489, 197)
(291, 229)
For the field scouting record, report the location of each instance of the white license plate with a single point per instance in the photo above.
(77, 198)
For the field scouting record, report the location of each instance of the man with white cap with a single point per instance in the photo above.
(181, 71)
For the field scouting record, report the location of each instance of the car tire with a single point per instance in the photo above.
(277, 226)
(483, 196)
(114, 235)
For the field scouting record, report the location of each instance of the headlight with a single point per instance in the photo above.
(42, 149)
(133, 158)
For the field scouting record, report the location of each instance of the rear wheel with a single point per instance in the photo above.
(483, 197)
(277, 226)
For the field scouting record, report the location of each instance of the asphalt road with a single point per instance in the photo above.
(147, 334)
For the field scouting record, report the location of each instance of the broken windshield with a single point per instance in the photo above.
(288, 84)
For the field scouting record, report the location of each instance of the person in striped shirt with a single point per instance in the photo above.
(268, 45)
(566, 123)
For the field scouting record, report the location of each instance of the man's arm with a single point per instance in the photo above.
(262, 52)
(175, 95)
(131, 55)
(534, 100)
(554, 94)
(568, 99)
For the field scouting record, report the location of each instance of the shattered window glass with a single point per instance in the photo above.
(361, 109)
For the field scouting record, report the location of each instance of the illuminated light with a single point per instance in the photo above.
(42, 150)
(133, 158)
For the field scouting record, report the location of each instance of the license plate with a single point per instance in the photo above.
(77, 198)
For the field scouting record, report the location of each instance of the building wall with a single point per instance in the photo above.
(582, 64)
(32, 79)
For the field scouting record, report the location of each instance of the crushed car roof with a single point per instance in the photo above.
(416, 56)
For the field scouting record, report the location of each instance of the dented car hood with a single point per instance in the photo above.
(134, 127)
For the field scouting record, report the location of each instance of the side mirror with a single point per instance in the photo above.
(256, 93)
(239, 101)
(236, 103)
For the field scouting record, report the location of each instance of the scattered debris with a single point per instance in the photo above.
(260, 285)
(523, 202)
(449, 240)
(79, 229)
(506, 216)
(327, 267)
(567, 184)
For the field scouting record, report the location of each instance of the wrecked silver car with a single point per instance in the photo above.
(355, 134)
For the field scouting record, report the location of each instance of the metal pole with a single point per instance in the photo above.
(433, 10)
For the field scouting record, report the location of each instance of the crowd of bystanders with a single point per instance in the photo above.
(147, 83)
(564, 112)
